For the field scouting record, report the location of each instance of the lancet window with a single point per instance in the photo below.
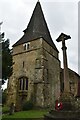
(23, 83)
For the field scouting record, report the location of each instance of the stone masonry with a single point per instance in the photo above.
(41, 67)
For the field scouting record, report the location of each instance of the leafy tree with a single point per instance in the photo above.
(6, 61)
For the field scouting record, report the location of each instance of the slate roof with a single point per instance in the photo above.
(37, 28)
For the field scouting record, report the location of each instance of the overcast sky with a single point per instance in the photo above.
(61, 16)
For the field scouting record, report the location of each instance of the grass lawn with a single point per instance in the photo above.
(26, 114)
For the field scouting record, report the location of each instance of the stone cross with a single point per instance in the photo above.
(62, 38)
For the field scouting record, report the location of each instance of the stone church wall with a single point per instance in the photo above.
(73, 82)
(53, 65)
(28, 57)
(40, 64)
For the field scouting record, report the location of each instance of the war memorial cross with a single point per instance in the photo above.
(62, 38)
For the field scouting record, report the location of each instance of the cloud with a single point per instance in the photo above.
(15, 16)
(63, 17)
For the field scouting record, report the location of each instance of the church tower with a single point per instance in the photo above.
(36, 68)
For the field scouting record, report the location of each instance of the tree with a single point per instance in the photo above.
(6, 60)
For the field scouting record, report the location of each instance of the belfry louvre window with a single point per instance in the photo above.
(23, 83)
(26, 46)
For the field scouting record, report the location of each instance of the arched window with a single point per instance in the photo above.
(26, 46)
(23, 83)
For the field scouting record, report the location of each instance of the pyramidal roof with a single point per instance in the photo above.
(37, 28)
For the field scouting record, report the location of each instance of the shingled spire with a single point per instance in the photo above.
(37, 28)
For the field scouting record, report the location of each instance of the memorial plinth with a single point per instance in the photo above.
(62, 115)
(69, 111)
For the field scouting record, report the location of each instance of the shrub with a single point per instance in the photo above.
(27, 105)
(5, 109)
